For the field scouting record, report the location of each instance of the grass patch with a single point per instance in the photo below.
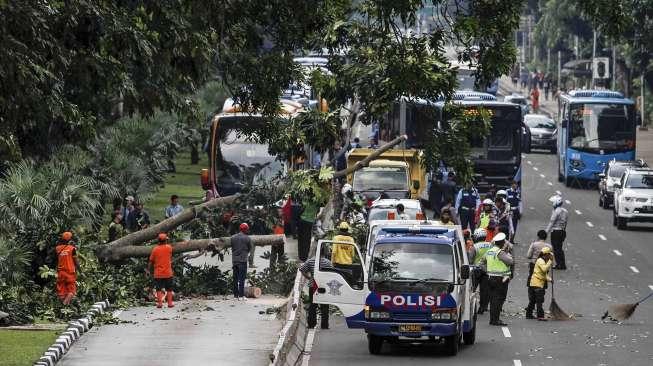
(185, 183)
(23, 347)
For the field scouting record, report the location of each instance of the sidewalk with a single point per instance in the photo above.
(217, 331)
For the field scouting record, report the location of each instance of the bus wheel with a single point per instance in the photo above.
(374, 344)
(451, 344)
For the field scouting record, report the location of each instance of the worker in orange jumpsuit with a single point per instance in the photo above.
(161, 260)
(67, 268)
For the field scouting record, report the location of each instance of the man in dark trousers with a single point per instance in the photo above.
(498, 263)
(307, 269)
(306, 222)
(435, 194)
(558, 229)
(513, 196)
(467, 201)
(241, 245)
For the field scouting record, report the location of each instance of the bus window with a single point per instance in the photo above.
(602, 127)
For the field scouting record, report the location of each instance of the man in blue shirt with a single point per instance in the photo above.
(467, 201)
(174, 208)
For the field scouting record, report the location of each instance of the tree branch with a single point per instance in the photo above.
(365, 162)
(114, 254)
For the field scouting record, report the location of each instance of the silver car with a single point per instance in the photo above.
(543, 132)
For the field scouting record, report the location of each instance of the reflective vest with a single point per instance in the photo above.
(469, 198)
(495, 267)
(343, 253)
(484, 219)
(481, 248)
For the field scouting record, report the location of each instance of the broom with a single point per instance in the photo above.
(621, 312)
(556, 312)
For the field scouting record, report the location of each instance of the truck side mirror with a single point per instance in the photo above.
(564, 123)
(464, 271)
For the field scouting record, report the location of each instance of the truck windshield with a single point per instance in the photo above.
(594, 127)
(241, 160)
(412, 262)
(381, 179)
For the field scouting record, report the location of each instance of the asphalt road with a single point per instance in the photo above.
(605, 266)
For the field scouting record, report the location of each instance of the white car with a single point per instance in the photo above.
(386, 209)
(633, 198)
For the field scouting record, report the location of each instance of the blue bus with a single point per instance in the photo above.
(595, 126)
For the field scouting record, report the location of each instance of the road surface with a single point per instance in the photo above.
(605, 266)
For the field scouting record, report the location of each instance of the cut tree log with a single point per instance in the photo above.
(365, 162)
(170, 224)
(114, 254)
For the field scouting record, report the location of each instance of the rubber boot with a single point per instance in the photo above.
(159, 299)
(169, 296)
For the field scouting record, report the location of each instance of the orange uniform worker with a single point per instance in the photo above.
(161, 260)
(67, 267)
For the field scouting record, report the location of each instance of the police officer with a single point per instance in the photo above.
(498, 262)
(475, 254)
(513, 196)
(558, 229)
(467, 201)
(504, 215)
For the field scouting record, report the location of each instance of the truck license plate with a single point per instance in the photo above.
(410, 328)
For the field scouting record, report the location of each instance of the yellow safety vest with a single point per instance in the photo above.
(495, 267)
(343, 253)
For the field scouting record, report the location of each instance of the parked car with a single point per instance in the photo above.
(612, 173)
(518, 99)
(633, 197)
(386, 209)
(543, 132)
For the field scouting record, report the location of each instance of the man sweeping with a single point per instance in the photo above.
(538, 284)
(67, 268)
(161, 260)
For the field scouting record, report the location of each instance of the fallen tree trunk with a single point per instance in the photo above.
(113, 254)
(170, 224)
(365, 162)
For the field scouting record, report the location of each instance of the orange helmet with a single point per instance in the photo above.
(66, 236)
(163, 237)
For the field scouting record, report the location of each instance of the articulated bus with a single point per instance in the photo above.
(236, 160)
(497, 157)
(595, 126)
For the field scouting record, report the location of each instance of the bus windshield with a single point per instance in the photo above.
(241, 160)
(595, 127)
(504, 124)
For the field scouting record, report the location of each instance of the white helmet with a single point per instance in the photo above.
(346, 189)
(502, 192)
(556, 200)
(480, 234)
(488, 201)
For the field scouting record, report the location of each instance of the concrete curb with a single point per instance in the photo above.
(70, 335)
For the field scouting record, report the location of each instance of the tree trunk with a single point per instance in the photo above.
(363, 163)
(194, 154)
(170, 224)
(114, 254)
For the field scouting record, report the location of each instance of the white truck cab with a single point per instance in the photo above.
(414, 282)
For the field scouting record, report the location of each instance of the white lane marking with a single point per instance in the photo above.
(542, 176)
(568, 202)
(535, 168)
(617, 252)
(529, 162)
(589, 224)
(634, 269)
(602, 237)
(650, 286)
(578, 212)
(558, 193)
(506, 332)
(549, 183)
(516, 362)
